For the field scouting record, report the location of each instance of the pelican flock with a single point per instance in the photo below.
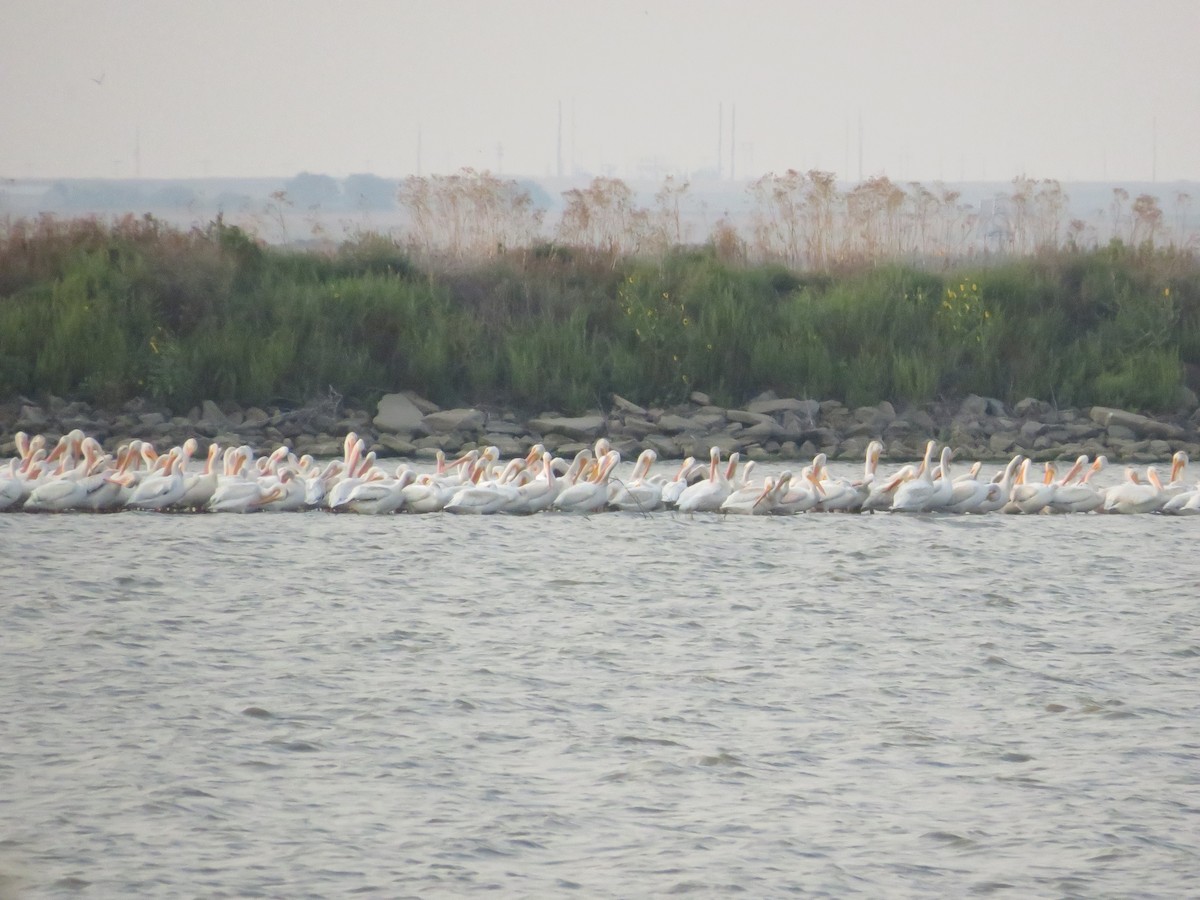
(75, 474)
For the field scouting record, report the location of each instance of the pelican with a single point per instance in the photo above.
(922, 493)
(755, 500)
(638, 493)
(1134, 495)
(487, 496)
(199, 486)
(591, 495)
(288, 492)
(882, 495)
(161, 491)
(970, 495)
(706, 495)
(792, 497)
(676, 486)
(1176, 484)
(1081, 496)
(538, 493)
(1028, 497)
(379, 496)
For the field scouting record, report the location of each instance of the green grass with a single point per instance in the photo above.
(108, 312)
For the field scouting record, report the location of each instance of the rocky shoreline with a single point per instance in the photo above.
(766, 428)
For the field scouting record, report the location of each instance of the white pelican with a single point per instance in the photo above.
(706, 495)
(970, 495)
(796, 496)
(538, 493)
(1081, 496)
(639, 493)
(842, 494)
(162, 490)
(12, 487)
(487, 496)
(199, 486)
(381, 495)
(676, 486)
(922, 493)
(71, 488)
(1185, 503)
(430, 492)
(756, 499)
(882, 494)
(288, 493)
(1176, 484)
(588, 496)
(1134, 495)
(1028, 497)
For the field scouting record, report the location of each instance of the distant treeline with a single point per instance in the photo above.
(111, 311)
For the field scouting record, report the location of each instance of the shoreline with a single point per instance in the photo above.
(767, 428)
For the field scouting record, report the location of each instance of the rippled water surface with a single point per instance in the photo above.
(615, 706)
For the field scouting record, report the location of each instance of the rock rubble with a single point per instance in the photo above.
(765, 428)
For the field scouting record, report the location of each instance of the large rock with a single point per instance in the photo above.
(1139, 425)
(211, 414)
(580, 428)
(468, 421)
(627, 406)
(674, 424)
(745, 417)
(398, 414)
(809, 409)
(977, 407)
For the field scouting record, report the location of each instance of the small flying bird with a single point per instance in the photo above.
(99, 80)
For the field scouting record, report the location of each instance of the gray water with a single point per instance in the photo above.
(610, 706)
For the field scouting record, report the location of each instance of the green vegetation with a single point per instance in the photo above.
(106, 312)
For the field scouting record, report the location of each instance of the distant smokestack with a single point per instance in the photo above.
(860, 145)
(733, 143)
(720, 140)
(1154, 149)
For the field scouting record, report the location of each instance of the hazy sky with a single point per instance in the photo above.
(944, 89)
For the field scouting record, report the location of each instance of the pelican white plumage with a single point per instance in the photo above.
(884, 492)
(487, 495)
(843, 494)
(12, 487)
(639, 493)
(797, 495)
(588, 495)
(199, 486)
(1134, 495)
(538, 493)
(921, 493)
(1176, 484)
(676, 486)
(1079, 496)
(380, 496)
(970, 495)
(165, 489)
(755, 499)
(708, 494)
(288, 493)
(1029, 497)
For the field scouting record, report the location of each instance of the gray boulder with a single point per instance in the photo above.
(579, 428)
(467, 421)
(398, 414)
